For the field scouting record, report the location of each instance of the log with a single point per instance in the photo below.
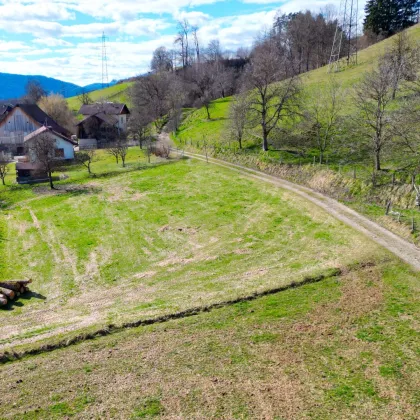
(7, 292)
(15, 285)
(3, 300)
(10, 285)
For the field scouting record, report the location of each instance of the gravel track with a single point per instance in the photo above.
(403, 249)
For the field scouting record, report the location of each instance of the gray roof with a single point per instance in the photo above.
(45, 129)
(109, 108)
(27, 166)
(109, 119)
(36, 113)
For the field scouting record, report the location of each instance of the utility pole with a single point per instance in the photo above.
(345, 36)
(104, 62)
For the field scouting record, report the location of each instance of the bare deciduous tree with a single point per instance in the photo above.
(161, 60)
(224, 80)
(57, 108)
(118, 149)
(404, 59)
(4, 167)
(271, 102)
(139, 125)
(194, 31)
(406, 131)
(123, 148)
(42, 151)
(84, 98)
(238, 117)
(323, 116)
(203, 85)
(373, 96)
(86, 158)
(183, 41)
(114, 150)
(214, 51)
(33, 92)
(151, 93)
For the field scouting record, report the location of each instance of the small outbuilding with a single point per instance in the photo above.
(31, 170)
(64, 147)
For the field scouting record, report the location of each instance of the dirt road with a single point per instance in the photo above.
(403, 249)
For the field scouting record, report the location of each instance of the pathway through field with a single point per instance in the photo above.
(403, 249)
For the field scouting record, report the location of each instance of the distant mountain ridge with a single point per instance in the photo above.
(12, 86)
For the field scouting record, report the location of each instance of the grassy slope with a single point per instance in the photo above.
(158, 240)
(116, 93)
(197, 123)
(343, 348)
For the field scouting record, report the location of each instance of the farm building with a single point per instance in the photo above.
(20, 120)
(30, 170)
(101, 124)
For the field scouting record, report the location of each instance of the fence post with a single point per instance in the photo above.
(412, 225)
(354, 172)
(388, 207)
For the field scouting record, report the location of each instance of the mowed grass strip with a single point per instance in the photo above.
(343, 348)
(160, 240)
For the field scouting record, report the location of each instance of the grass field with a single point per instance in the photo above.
(343, 348)
(151, 239)
(157, 240)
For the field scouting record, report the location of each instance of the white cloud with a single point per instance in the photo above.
(129, 9)
(236, 31)
(71, 51)
(52, 42)
(17, 11)
(194, 18)
(12, 46)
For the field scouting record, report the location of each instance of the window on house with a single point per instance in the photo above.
(59, 153)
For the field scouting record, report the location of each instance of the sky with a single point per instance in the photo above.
(62, 39)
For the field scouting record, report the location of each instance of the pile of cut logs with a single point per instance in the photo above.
(9, 290)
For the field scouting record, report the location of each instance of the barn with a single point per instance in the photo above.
(101, 124)
(20, 120)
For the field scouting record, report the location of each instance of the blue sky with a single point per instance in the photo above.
(61, 38)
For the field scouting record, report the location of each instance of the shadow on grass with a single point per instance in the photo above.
(135, 168)
(69, 189)
(78, 188)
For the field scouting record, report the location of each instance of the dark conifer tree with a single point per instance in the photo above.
(387, 17)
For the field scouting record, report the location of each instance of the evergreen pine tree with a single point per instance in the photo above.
(386, 17)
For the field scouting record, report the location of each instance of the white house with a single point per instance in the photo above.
(31, 170)
(64, 147)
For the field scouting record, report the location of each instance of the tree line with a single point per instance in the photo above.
(267, 83)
